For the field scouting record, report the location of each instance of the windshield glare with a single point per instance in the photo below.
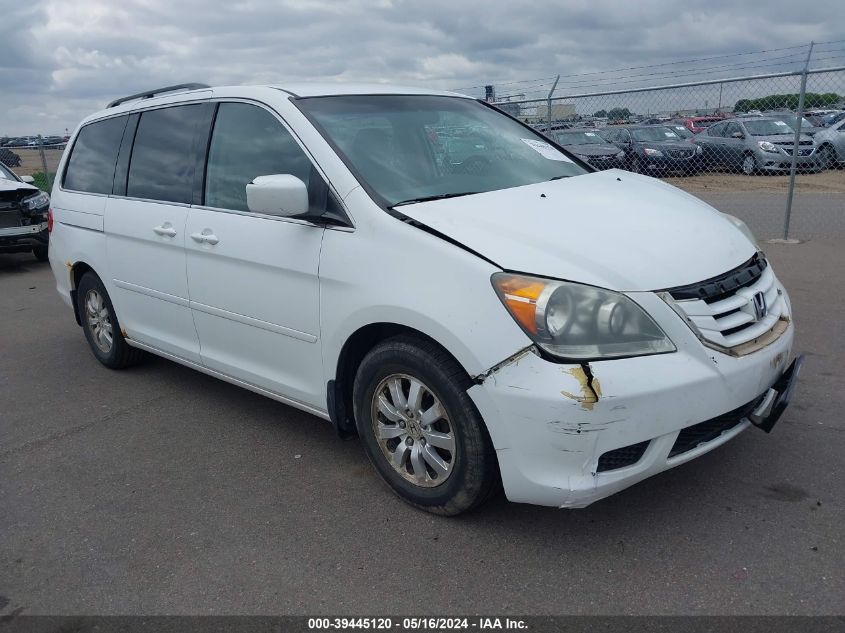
(767, 128)
(579, 138)
(681, 131)
(407, 147)
(654, 134)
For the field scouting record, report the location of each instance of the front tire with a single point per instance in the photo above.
(749, 165)
(102, 329)
(827, 158)
(420, 429)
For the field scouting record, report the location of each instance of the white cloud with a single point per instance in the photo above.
(64, 60)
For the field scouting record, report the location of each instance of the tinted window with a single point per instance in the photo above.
(91, 164)
(162, 163)
(248, 142)
(716, 130)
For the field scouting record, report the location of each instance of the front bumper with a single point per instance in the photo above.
(552, 423)
(663, 164)
(782, 161)
(23, 238)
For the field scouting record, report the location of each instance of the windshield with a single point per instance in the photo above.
(657, 133)
(767, 128)
(6, 173)
(412, 147)
(579, 138)
(682, 131)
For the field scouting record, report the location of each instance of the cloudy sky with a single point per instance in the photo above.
(63, 59)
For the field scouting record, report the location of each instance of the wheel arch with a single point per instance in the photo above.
(353, 351)
(77, 270)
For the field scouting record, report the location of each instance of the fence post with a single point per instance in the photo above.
(549, 103)
(44, 164)
(799, 115)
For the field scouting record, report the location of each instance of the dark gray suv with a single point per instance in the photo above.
(755, 145)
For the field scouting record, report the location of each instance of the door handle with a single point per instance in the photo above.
(165, 229)
(208, 238)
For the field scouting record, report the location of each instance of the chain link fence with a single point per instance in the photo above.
(34, 156)
(769, 149)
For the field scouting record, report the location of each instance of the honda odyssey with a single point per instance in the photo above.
(506, 316)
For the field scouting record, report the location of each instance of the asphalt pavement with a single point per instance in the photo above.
(159, 490)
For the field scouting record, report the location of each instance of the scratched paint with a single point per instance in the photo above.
(590, 394)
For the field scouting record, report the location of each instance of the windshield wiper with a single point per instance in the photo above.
(439, 196)
(558, 177)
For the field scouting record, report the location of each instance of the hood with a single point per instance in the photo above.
(783, 138)
(667, 144)
(612, 229)
(22, 190)
(593, 149)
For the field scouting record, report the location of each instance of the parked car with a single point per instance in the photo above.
(698, 124)
(655, 149)
(589, 146)
(10, 158)
(304, 242)
(23, 215)
(832, 119)
(755, 145)
(830, 144)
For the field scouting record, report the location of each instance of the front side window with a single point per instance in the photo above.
(248, 142)
(162, 162)
(408, 148)
(716, 130)
(92, 160)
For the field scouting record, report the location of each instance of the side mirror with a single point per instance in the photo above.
(28, 179)
(279, 194)
(737, 135)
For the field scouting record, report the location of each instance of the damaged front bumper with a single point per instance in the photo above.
(569, 435)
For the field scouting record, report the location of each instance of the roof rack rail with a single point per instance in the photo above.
(158, 91)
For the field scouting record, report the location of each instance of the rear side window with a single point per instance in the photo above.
(162, 163)
(92, 160)
(248, 142)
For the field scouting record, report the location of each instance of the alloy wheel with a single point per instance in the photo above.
(413, 430)
(99, 321)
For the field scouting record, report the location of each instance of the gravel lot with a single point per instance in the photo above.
(160, 490)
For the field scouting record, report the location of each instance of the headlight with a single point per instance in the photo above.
(652, 152)
(698, 149)
(767, 147)
(33, 202)
(576, 322)
(743, 227)
(620, 155)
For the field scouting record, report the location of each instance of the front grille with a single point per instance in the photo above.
(801, 151)
(621, 457)
(681, 153)
(723, 309)
(707, 431)
(9, 219)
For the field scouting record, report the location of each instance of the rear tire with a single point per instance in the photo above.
(421, 430)
(102, 329)
(827, 157)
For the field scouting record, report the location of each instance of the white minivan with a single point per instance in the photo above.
(481, 308)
